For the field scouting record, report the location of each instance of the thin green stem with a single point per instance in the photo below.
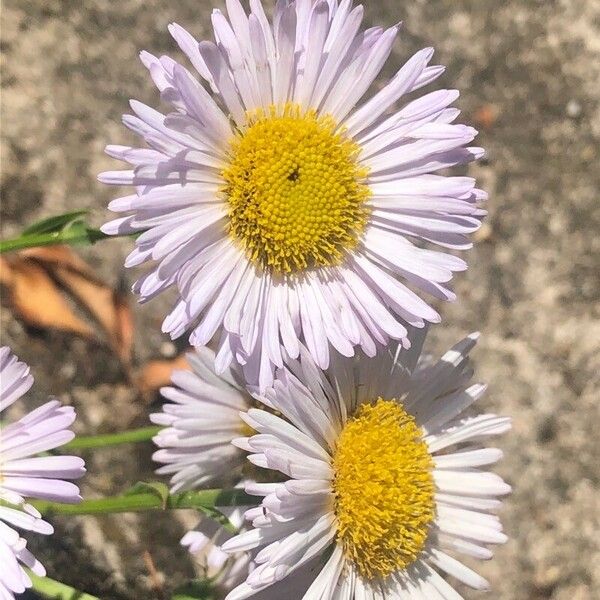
(55, 590)
(202, 500)
(143, 434)
(77, 235)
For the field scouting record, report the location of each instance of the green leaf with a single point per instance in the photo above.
(195, 590)
(56, 223)
(78, 230)
(219, 517)
(159, 489)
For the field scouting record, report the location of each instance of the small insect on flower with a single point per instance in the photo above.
(385, 478)
(24, 475)
(283, 206)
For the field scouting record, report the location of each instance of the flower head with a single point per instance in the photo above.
(205, 541)
(201, 418)
(283, 207)
(386, 477)
(24, 475)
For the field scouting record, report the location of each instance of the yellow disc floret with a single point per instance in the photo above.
(384, 490)
(295, 191)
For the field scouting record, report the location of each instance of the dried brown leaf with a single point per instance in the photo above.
(485, 116)
(59, 256)
(37, 300)
(124, 327)
(6, 272)
(157, 373)
(66, 271)
(109, 308)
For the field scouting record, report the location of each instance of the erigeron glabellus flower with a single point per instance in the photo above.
(387, 478)
(201, 419)
(25, 475)
(282, 205)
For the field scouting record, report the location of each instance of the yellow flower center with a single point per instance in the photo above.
(384, 490)
(295, 190)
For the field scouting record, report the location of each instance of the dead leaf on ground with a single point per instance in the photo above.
(485, 116)
(59, 256)
(109, 308)
(41, 278)
(155, 577)
(6, 272)
(124, 326)
(157, 373)
(36, 299)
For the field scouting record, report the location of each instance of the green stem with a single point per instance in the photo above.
(203, 499)
(55, 590)
(143, 434)
(86, 235)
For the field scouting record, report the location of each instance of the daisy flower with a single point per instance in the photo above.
(24, 475)
(201, 418)
(386, 478)
(224, 570)
(283, 203)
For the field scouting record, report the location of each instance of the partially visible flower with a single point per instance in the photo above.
(24, 475)
(227, 571)
(205, 541)
(387, 479)
(285, 208)
(201, 418)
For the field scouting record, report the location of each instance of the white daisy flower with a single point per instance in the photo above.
(283, 206)
(201, 418)
(205, 541)
(385, 476)
(24, 475)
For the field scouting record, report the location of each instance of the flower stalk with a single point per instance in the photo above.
(85, 235)
(55, 590)
(68, 228)
(204, 500)
(144, 434)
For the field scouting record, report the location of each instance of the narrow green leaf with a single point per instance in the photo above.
(159, 489)
(77, 232)
(150, 496)
(55, 223)
(103, 440)
(219, 517)
(69, 228)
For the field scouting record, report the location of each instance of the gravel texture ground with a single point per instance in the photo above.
(529, 73)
